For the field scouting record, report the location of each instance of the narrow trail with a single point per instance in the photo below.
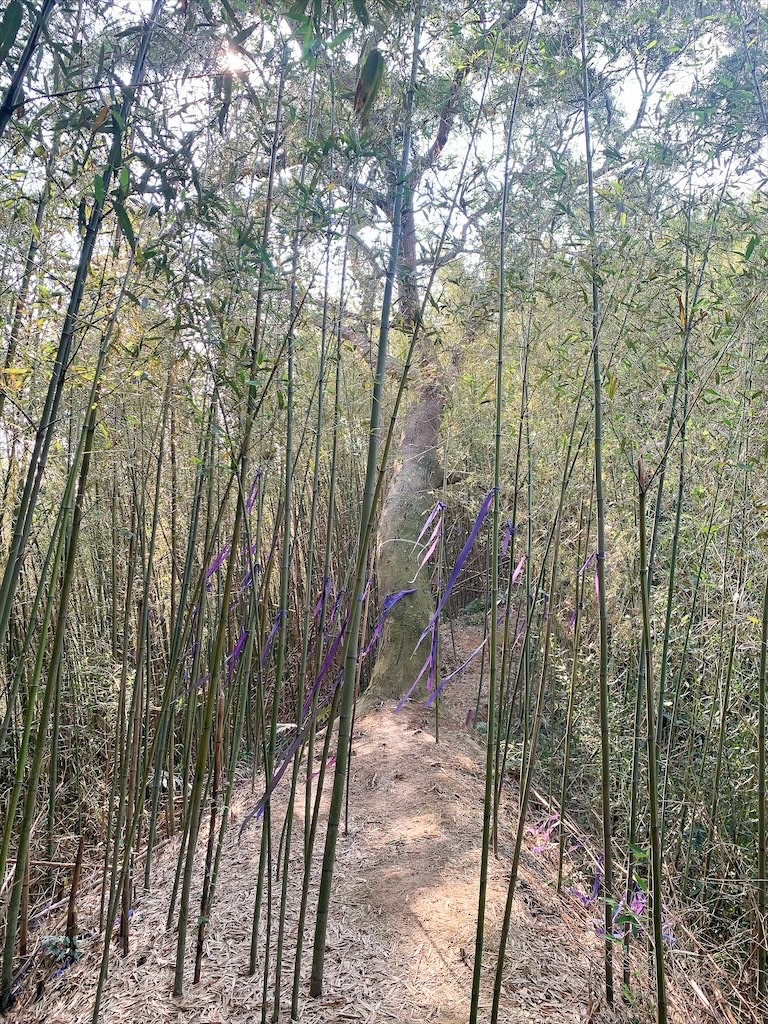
(402, 927)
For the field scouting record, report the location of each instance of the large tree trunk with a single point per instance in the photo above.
(416, 474)
(410, 492)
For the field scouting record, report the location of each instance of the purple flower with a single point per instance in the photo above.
(584, 898)
(598, 881)
(639, 902)
(544, 832)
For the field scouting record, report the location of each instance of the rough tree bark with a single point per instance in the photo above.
(410, 491)
(416, 474)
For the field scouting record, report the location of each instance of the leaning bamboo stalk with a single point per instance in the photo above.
(48, 420)
(581, 556)
(205, 898)
(310, 815)
(286, 560)
(57, 651)
(14, 92)
(23, 296)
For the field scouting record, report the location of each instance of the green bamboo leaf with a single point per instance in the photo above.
(244, 34)
(340, 38)
(368, 85)
(9, 27)
(360, 11)
(125, 225)
(751, 247)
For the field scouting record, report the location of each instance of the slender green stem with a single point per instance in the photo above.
(369, 494)
(653, 784)
(605, 743)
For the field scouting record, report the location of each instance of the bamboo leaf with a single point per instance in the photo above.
(751, 247)
(9, 27)
(125, 225)
(360, 11)
(340, 38)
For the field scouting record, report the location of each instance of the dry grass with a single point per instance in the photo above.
(401, 935)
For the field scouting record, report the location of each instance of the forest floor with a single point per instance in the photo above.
(402, 925)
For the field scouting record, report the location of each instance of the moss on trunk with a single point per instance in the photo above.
(410, 494)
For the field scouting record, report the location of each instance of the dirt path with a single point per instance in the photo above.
(402, 927)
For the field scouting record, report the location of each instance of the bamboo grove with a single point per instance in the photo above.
(243, 244)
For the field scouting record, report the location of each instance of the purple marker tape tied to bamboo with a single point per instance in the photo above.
(519, 569)
(424, 667)
(325, 593)
(328, 764)
(389, 603)
(217, 562)
(230, 660)
(334, 611)
(270, 638)
(328, 660)
(253, 566)
(235, 653)
(287, 758)
(432, 661)
(460, 561)
(432, 545)
(436, 510)
(250, 501)
(587, 564)
(508, 533)
(433, 696)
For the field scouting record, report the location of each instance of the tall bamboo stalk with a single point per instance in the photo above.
(653, 784)
(605, 747)
(366, 512)
(762, 882)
